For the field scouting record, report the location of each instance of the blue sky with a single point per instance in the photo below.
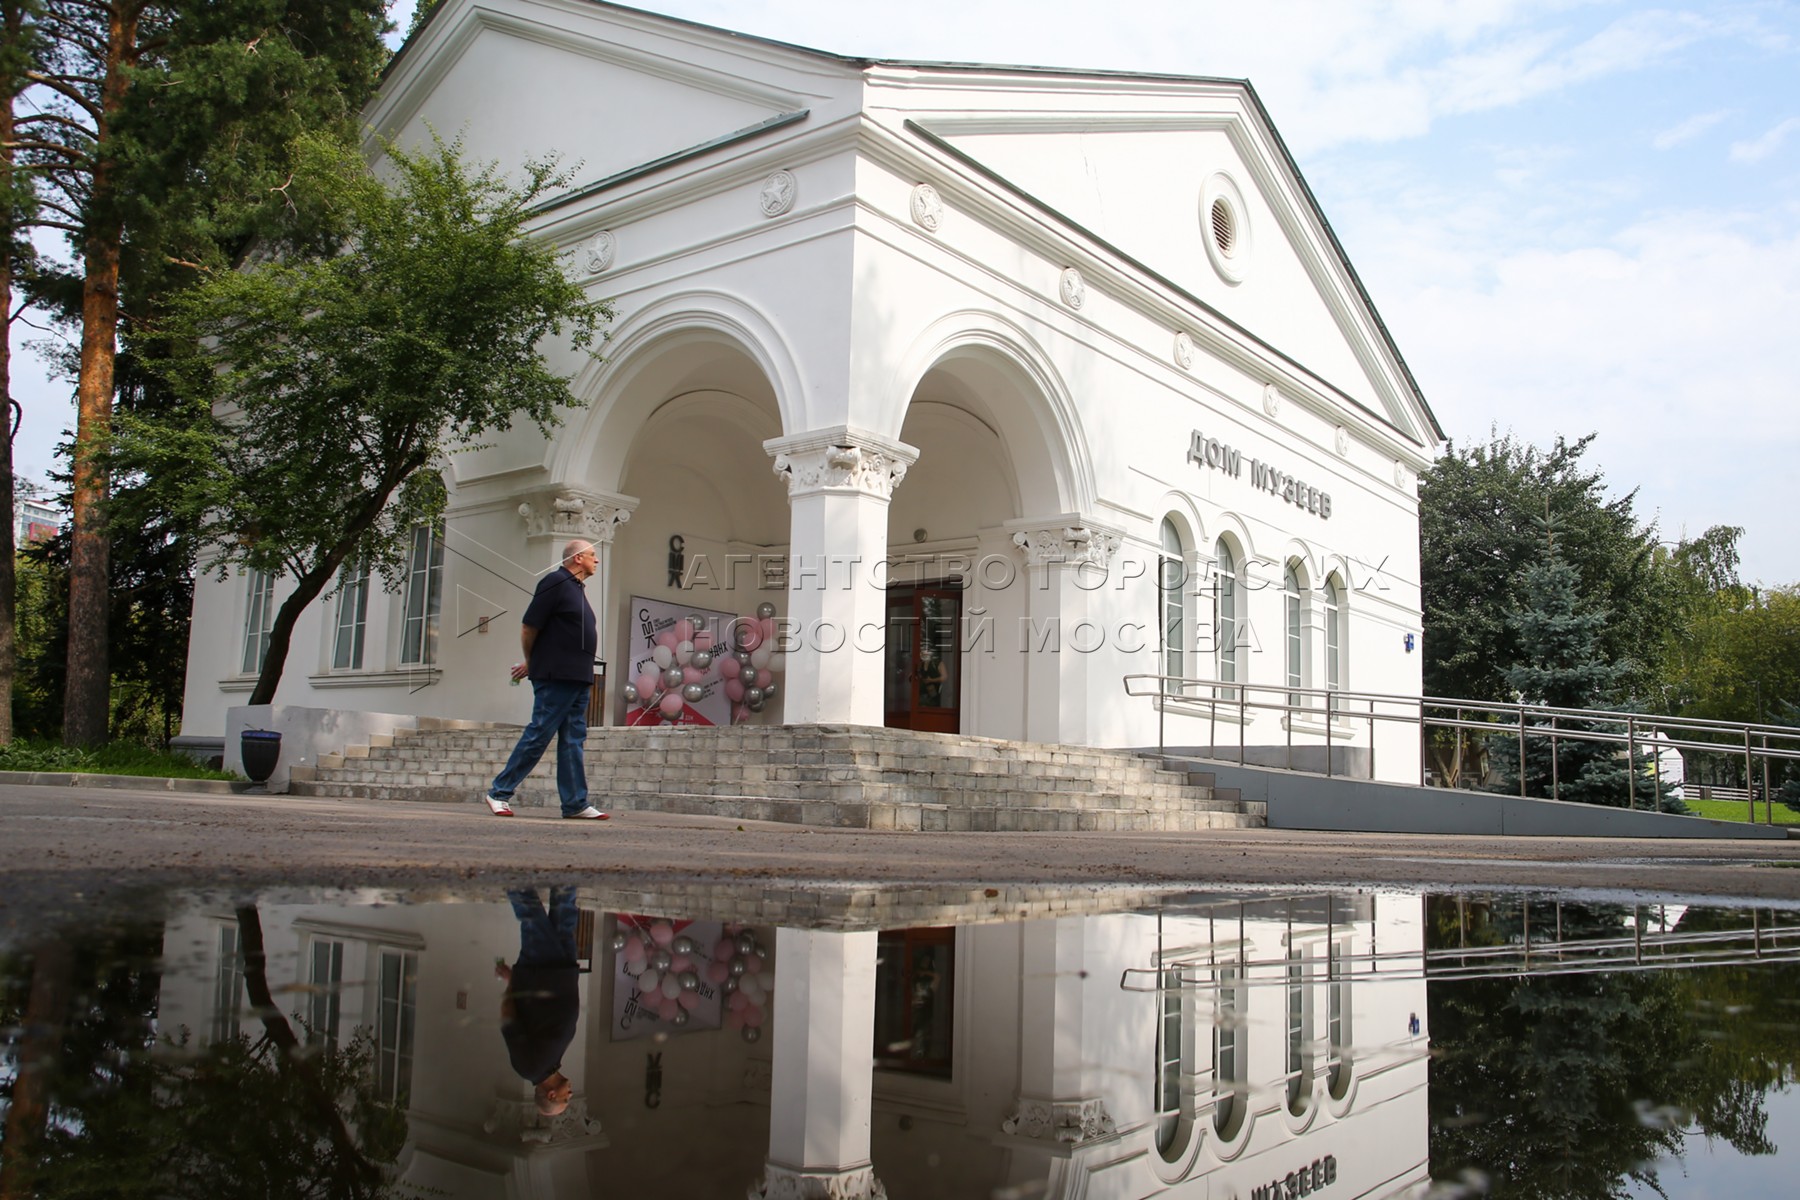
(1576, 216)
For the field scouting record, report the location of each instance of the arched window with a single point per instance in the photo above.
(1334, 633)
(1337, 1021)
(1299, 1040)
(1173, 1081)
(1225, 635)
(1293, 587)
(1171, 586)
(1229, 1053)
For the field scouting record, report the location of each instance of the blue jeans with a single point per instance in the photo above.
(545, 939)
(559, 707)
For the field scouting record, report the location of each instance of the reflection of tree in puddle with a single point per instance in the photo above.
(128, 1110)
(1571, 1086)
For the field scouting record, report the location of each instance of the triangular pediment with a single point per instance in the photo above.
(1145, 185)
(602, 93)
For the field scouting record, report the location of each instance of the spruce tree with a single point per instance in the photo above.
(1562, 664)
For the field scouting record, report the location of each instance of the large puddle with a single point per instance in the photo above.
(1043, 1042)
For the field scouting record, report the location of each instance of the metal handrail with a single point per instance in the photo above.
(1636, 732)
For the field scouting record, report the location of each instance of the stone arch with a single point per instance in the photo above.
(1012, 385)
(690, 342)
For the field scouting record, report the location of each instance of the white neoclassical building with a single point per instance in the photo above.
(1048, 1044)
(999, 384)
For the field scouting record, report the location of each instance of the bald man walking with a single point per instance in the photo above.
(560, 639)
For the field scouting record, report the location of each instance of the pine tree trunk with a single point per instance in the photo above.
(46, 1013)
(9, 648)
(86, 698)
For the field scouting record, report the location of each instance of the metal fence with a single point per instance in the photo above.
(1328, 717)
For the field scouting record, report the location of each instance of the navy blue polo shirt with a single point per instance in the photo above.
(567, 640)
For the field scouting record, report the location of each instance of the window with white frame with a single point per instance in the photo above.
(228, 985)
(1334, 632)
(1299, 1040)
(396, 1016)
(1337, 1020)
(1228, 1052)
(1293, 587)
(259, 618)
(1171, 584)
(1172, 1082)
(325, 983)
(423, 596)
(352, 619)
(1227, 616)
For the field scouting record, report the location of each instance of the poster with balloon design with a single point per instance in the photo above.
(695, 666)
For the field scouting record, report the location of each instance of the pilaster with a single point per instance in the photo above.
(1066, 558)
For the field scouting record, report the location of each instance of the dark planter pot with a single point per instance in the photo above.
(261, 750)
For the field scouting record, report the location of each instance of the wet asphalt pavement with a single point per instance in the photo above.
(69, 848)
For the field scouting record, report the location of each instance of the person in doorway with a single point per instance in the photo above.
(542, 1003)
(560, 640)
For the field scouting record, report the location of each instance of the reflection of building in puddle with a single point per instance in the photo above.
(972, 1047)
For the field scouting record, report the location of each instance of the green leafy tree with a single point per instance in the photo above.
(1542, 1086)
(159, 132)
(144, 1114)
(1482, 515)
(322, 386)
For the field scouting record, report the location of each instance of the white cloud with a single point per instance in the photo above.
(1673, 339)
(1760, 148)
(1688, 130)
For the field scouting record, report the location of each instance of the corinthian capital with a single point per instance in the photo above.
(841, 460)
(1067, 540)
(573, 513)
(1071, 1122)
(782, 1183)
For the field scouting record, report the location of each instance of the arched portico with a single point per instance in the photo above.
(985, 537)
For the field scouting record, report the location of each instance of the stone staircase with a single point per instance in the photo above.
(829, 775)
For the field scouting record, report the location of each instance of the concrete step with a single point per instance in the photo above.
(843, 776)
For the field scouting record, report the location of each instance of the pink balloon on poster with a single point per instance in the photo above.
(723, 949)
(730, 667)
(634, 950)
(646, 688)
(692, 675)
(671, 705)
(703, 639)
(734, 690)
(767, 625)
(764, 678)
(667, 638)
(754, 1017)
(740, 714)
(717, 972)
(734, 1019)
(689, 1000)
(680, 962)
(752, 964)
(662, 933)
(684, 630)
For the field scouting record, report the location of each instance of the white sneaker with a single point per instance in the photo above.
(590, 813)
(497, 806)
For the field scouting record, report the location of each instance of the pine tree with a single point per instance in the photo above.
(160, 146)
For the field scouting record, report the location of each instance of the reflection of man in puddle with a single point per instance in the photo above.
(543, 1001)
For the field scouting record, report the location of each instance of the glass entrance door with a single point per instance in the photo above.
(924, 670)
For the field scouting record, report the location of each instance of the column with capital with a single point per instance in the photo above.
(1066, 558)
(822, 1082)
(839, 482)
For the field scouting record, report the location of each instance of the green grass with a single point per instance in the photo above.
(114, 759)
(1737, 810)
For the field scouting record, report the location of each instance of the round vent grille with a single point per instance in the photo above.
(1224, 227)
